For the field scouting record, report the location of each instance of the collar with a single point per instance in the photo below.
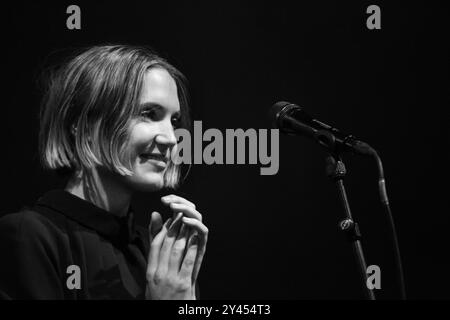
(108, 225)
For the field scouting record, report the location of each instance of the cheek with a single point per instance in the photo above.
(140, 138)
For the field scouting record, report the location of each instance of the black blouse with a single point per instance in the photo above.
(67, 248)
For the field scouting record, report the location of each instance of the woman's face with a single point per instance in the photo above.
(152, 135)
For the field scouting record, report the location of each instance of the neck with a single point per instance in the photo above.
(102, 188)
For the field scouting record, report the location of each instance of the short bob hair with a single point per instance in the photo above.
(89, 104)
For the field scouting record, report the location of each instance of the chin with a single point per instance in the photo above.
(150, 183)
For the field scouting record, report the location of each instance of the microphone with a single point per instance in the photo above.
(293, 119)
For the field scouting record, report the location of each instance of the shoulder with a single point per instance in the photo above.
(25, 219)
(34, 249)
(27, 224)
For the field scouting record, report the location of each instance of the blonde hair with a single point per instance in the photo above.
(97, 92)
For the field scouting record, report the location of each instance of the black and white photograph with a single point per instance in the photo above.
(225, 151)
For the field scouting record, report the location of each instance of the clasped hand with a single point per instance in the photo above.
(176, 251)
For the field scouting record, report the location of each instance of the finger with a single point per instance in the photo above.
(187, 210)
(178, 249)
(187, 266)
(203, 239)
(177, 199)
(196, 225)
(166, 248)
(198, 264)
(155, 247)
(155, 225)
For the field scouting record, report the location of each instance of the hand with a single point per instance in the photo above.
(179, 204)
(173, 266)
(169, 275)
(193, 219)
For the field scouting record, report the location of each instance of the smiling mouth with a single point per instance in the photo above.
(154, 156)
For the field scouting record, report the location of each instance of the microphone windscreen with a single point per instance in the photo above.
(275, 111)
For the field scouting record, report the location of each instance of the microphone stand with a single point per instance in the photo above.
(335, 170)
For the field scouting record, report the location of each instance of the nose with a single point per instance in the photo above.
(166, 135)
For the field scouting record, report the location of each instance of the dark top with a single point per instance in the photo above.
(42, 247)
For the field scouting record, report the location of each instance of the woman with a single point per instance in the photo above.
(108, 119)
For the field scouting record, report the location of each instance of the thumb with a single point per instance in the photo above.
(155, 225)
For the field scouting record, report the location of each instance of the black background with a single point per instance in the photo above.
(274, 237)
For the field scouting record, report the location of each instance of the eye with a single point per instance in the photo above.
(176, 121)
(151, 114)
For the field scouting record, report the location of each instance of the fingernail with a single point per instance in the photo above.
(177, 218)
(194, 240)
